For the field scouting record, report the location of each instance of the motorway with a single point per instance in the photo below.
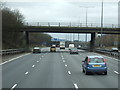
(56, 70)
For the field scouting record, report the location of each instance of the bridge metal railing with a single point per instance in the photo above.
(71, 24)
(11, 51)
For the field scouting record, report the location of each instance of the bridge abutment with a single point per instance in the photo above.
(92, 42)
(27, 40)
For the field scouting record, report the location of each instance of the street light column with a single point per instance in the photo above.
(86, 16)
(101, 24)
(86, 24)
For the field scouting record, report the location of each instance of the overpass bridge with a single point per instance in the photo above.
(91, 28)
(55, 27)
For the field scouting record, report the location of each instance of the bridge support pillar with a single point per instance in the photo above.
(27, 40)
(92, 42)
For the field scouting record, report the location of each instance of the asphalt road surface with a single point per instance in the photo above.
(56, 70)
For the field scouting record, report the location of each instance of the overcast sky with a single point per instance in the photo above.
(66, 11)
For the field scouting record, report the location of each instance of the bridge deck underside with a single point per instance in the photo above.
(72, 30)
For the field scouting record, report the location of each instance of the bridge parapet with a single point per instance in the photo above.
(72, 24)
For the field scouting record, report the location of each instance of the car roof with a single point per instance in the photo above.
(95, 56)
(114, 48)
(36, 48)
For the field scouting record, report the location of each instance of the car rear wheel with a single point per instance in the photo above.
(105, 73)
(83, 70)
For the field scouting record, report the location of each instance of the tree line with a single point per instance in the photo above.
(12, 22)
(107, 40)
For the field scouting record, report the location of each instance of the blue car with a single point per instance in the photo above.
(94, 64)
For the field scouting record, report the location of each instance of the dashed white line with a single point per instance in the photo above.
(63, 60)
(40, 58)
(75, 85)
(69, 72)
(37, 61)
(26, 73)
(116, 72)
(13, 87)
(65, 65)
(33, 65)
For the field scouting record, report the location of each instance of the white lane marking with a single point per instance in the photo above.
(75, 85)
(40, 58)
(69, 72)
(26, 73)
(37, 61)
(116, 72)
(33, 65)
(14, 58)
(63, 60)
(65, 65)
(13, 87)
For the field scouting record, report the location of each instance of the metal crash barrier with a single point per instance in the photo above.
(11, 51)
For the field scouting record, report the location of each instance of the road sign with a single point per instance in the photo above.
(57, 39)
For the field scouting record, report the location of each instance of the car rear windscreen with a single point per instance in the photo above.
(96, 60)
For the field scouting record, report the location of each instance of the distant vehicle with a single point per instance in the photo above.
(79, 46)
(71, 46)
(94, 64)
(52, 49)
(73, 51)
(114, 50)
(36, 50)
(53, 45)
(62, 44)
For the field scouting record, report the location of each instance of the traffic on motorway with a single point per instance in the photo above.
(58, 44)
(91, 64)
(57, 68)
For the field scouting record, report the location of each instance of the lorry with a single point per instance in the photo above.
(62, 44)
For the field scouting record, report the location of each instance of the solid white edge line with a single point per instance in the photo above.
(111, 58)
(13, 87)
(75, 85)
(33, 65)
(26, 73)
(14, 58)
(116, 72)
(69, 72)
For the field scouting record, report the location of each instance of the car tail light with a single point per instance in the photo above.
(88, 60)
(105, 61)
